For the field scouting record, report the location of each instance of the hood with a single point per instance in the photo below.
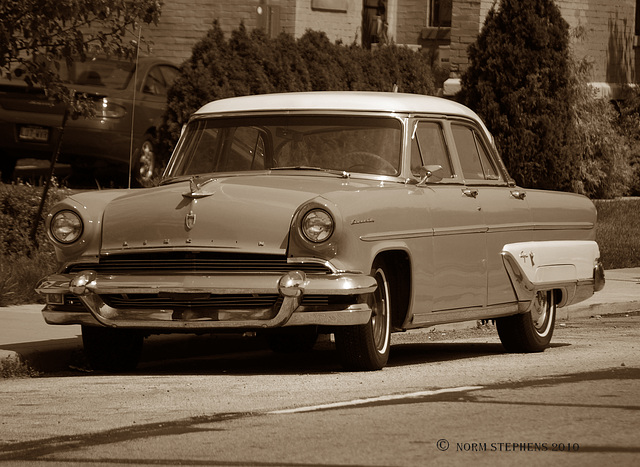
(245, 214)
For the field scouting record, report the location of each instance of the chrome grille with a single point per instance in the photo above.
(227, 301)
(195, 262)
(230, 301)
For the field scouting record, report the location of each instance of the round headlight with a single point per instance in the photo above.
(66, 227)
(317, 225)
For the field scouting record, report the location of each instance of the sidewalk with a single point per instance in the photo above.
(25, 335)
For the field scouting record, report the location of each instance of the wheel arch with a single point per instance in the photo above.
(399, 263)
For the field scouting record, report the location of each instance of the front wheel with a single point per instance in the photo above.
(532, 331)
(113, 350)
(366, 347)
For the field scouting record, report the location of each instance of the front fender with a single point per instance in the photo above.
(90, 207)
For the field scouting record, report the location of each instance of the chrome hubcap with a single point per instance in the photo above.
(380, 313)
(540, 311)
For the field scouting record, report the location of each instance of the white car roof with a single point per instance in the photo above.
(358, 101)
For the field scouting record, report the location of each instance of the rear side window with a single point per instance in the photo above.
(474, 157)
(428, 148)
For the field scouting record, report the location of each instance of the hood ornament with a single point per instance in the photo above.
(196, 189)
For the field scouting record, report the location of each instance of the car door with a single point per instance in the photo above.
(459, 278)
(504, 208)
(153, 100)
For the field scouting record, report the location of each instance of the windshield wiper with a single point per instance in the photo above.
(342, 173)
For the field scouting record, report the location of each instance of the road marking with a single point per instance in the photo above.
(371, 400)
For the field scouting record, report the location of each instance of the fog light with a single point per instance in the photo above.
(55, 299)
(292, 284)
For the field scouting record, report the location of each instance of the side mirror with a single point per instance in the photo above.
(430, 173)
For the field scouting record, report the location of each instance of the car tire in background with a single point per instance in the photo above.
(7, 167)
(113, 350)
(366, 347)
(531, 331)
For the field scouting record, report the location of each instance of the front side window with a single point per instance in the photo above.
(369, 145)
(474, 157)
(159, 80)
(428, 148)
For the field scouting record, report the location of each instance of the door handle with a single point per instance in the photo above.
(470, 192)
(519, 194)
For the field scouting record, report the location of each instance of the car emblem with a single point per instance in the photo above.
(190, 220)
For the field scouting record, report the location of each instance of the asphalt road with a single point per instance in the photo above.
(446, 398)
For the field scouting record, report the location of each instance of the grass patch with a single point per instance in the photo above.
(618, 232)
(13, 367)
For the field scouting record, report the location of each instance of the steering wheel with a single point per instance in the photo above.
(369, 162)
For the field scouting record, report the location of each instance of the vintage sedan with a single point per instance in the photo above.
(120, 134)
(345, 213)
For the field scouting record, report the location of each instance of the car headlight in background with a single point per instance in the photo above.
(317, 225)
(66, 226)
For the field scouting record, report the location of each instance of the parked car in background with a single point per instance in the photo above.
(30, 123)
(292, 215)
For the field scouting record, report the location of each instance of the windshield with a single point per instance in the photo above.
(328, 142)
(114, 74)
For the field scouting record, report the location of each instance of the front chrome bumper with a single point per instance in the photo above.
(91, 288)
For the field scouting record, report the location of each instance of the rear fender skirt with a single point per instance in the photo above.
(572, 267)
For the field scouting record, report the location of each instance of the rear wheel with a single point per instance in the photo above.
(532, 331)
(113, 350)
(366, 347)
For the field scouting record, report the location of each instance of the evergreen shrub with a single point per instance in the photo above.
(551, 130)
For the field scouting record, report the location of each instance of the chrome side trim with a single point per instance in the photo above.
(563, 226)
(434, 318)
(374, 237)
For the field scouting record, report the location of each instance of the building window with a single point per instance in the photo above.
(439, 14)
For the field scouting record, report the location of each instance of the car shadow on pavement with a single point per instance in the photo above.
(235, 355)
(433, 352)
(254, 358)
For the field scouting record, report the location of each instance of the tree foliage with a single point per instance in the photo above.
(519, 81)
(551, 129)
(37, 35)
(628, 123)
(601, 150)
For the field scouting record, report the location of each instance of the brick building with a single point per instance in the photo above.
(609, 29)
